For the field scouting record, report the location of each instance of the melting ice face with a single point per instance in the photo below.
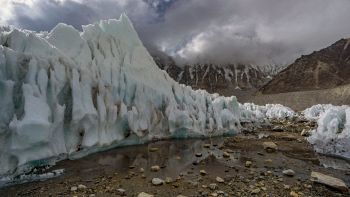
(68, 93)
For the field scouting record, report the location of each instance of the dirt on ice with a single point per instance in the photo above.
(241, 165)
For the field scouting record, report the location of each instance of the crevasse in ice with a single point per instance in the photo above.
(68, 93)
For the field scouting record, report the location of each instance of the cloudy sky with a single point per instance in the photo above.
(217, 31)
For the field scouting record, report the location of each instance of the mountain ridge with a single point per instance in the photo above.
(322, 69)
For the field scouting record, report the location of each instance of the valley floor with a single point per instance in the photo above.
(230, 166)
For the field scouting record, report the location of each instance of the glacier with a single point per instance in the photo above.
(250, 112)
(67, 93)
(332, 135)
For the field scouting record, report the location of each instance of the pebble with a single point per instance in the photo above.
(143, 194)
(198, 154)
(229, 151)
(213, 186)
(206, 145)
(270, 147)
(168, 180)
(293, 194)
(181, 196)
(255, 191)
(226, 155)
(306, 133)
(153, 149)
(142, 170)
(81, 186)
(74, 188)
(220, 180)
(157, 181)
(155, 168)
(202, 172)
(121, 191)
(288, 172)
(248, 164)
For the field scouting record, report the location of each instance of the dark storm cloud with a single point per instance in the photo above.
(238, 31)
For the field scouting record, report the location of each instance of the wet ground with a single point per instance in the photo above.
(243, 166)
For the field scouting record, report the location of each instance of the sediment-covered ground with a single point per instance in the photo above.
(274, 160)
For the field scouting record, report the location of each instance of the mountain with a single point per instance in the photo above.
(230, 79)
(327, 68)
(66, 94)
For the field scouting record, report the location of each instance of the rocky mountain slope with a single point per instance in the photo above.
(231, 79)
(327, 68)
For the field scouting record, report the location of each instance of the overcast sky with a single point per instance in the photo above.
(218, 31)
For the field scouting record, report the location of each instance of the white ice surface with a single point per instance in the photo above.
(67, 93)
(332, 135)
(259, 113)
(314, 112)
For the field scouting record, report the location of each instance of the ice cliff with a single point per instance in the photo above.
(67, 93)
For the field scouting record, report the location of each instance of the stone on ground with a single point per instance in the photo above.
(329, 181)
(270, 146)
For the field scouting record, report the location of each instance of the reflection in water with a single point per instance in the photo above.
(174, 156)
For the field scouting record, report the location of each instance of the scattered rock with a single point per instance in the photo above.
(168, 180)
(219, 179)
(74, 188)
(288, 172)
(229, 151)
(206, 145)
(329, 181)
(270, 147)
(255, 191)
(248, 164)
(226, 155)
(286, 186)
(268, 173)
(202, 172)
(121, 191)
(157, 181)
(155, 168)
(213, 186)
(153, 149)
(277, 129)
(142, 170)
(198, 154)
(214, 194)
(81, 186)
(293, 194)
(306, 133)
(143, 194)
(181, 196)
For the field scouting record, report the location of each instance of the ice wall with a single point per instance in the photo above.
(67, 93)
